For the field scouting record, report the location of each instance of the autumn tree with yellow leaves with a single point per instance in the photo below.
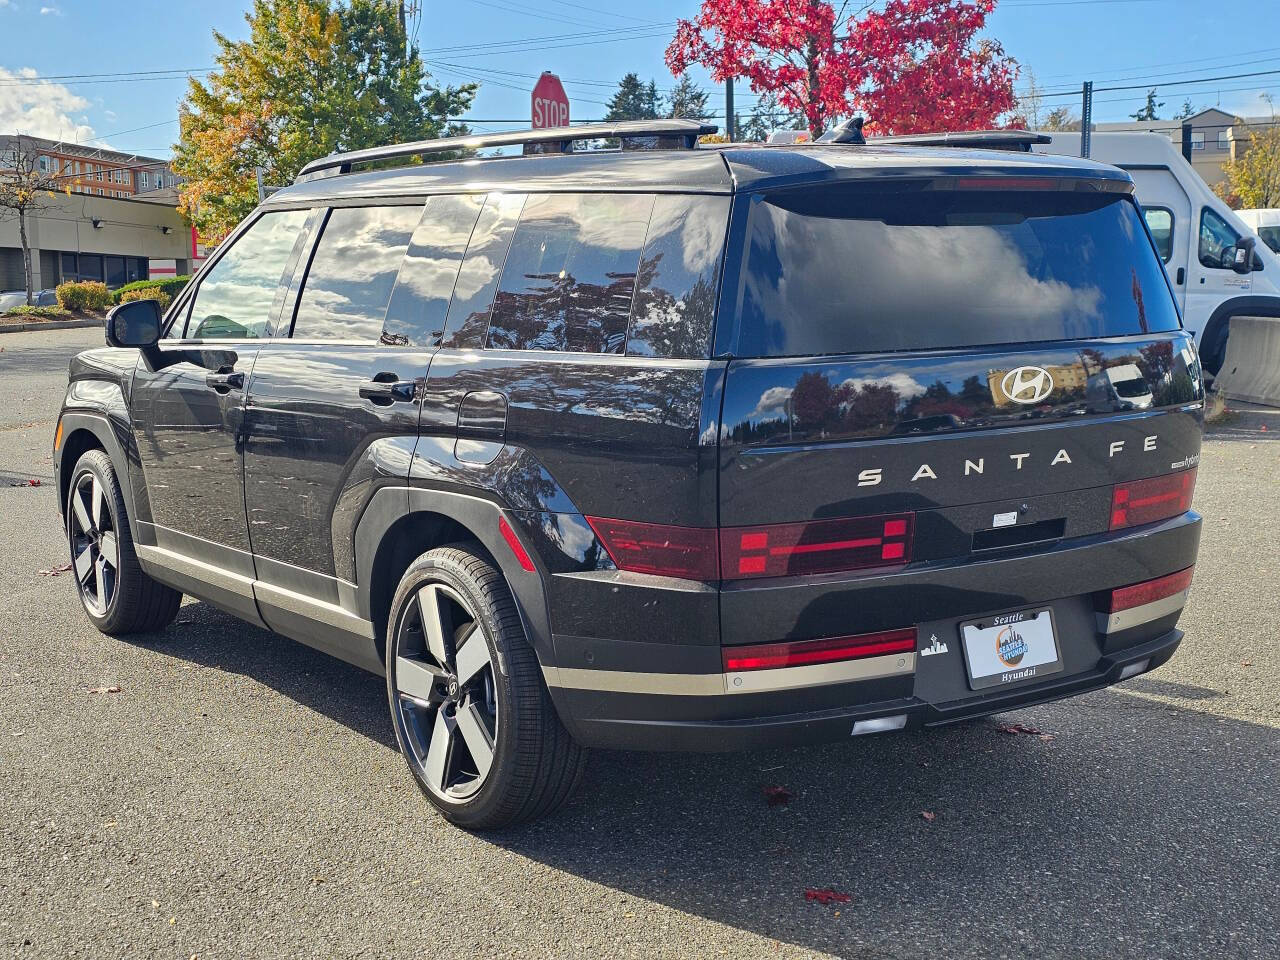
(314, 76)
(26, 189)
(1253, 180)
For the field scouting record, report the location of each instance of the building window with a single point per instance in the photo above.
(1222, 140)
(1197, 139)
(43, 163)
(142, 179)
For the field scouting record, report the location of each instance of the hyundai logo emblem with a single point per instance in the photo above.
(1027, 384)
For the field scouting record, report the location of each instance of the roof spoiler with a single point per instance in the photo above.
(547, 140)
(1016, 140)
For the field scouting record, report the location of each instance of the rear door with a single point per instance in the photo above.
(332, 414)
(920, 378)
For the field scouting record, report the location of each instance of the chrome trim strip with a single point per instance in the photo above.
(265, 593)
(726, 684)
(196, 569)
(820, 674)
(330, 613)
(1109, 623)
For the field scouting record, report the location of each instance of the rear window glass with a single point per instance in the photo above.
(839, 270)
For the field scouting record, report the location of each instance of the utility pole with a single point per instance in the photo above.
(1086, 118)
(729, 130)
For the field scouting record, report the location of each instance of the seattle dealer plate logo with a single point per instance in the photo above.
(1010, 647)
(938, 646)
(1027, 384)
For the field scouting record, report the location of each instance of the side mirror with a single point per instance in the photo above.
(1243, 262)
(134, 324)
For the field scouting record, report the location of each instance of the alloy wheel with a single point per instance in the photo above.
(95, 547)
(444, 691)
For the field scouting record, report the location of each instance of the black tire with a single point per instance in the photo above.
(120, 601)
(533, 765)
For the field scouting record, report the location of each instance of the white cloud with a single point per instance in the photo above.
(46, 11)
(41, 108)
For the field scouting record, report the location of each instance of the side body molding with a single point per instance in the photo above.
(388, 507)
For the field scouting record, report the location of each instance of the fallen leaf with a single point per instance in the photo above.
(777, 796)
(155, 903)
(1263, 428)
(104, 690)
(929, 815)
(172, 921)
(55, 571)
(1016, 728)
(33, 482)
(1247, 663)
(1046, 737)
(826, 896)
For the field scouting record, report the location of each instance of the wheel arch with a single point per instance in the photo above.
(1213, 339)
(82, 432)
(399, 524)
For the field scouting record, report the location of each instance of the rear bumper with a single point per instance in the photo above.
(664, 686)
(837, 723)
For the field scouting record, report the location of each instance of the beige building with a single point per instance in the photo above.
(87, 237)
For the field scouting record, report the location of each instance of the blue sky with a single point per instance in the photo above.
(1113, 42)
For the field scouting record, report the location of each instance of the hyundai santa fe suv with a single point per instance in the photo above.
(660, 447)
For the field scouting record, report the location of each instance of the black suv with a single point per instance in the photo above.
(658, 447)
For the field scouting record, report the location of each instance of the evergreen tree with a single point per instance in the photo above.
(633, 100)
(687, 100)
(1188, 109)
(767, 116)
(1148, 111)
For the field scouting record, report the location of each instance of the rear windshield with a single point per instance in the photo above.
(837, 270)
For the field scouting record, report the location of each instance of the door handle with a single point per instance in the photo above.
(1181, 276)
(387, 388)
(225, 381)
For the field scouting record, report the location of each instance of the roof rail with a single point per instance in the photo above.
(546, 140)
(1018, 140)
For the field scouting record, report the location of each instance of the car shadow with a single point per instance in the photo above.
(1108, 825)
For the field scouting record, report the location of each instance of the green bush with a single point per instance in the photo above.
(172, 286)
(87, 295)
(52, 313)
(146, 293)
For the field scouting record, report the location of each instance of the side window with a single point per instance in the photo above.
(472, 303)
(1217, 241)
(420, 301)
(235, 297)
(571, 273)
(675, 302)
(1160, 223)
(348, 285)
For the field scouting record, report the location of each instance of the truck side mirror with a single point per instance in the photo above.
(1243, 262)
(134, 324)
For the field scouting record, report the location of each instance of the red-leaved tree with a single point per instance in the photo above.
(914, 66)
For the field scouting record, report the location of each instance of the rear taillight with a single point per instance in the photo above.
(657, 548)
(1146, 501)
(799, 653)
(820, 546)
(1149, 591)
(776, 550)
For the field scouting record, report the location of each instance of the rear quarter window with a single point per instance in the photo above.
(849, 269)
(570, 275)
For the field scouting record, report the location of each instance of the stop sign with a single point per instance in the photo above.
(550, 104)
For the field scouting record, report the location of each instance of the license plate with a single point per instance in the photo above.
(1010, 648)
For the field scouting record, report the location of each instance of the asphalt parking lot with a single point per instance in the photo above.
(241, 795)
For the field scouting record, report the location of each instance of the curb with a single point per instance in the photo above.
(50, 325)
